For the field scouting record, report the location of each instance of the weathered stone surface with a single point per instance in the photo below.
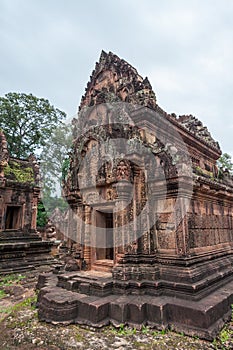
(20, 246)
(192, 317)
(59, 307)
(147, 205)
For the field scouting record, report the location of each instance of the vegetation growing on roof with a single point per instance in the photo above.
(18, 172)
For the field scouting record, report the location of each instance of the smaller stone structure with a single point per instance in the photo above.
(20, 246)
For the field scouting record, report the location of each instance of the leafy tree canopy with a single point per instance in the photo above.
(225, 162)
(27, 122)
(54, 158)
(32, 124)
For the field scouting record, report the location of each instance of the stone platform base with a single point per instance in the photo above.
(203, 318)
(20, 252)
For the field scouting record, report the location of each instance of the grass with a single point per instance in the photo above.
(2, 294)
(127, 331)
(123, 330)
(9, 280)
(31, 301)
(224, 336)
(222, 341)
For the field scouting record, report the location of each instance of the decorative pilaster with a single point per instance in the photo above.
(124, 189)
(87, 237)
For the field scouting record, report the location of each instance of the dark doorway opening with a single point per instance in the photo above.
(109, 236)
(12, 217)
(104, 243)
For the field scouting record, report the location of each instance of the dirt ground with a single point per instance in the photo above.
(20, 328)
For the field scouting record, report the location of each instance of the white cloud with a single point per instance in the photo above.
(185, 48)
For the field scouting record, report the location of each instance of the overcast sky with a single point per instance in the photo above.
(49, 48)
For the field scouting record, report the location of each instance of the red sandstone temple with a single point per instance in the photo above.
(20, 246)
(151, 215)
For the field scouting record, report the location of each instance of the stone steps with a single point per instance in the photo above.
(24, 255)
(9, 236)
(95, 283)
(58, 305)
(104, 265)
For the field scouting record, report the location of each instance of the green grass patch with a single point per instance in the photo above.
(9, 280)
(123, 330)
(28, 302)
(2, 294)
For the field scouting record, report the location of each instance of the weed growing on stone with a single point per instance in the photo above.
(224, 337)
(123, 330)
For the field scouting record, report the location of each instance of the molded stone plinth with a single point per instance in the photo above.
(203, 317)
(26, 253)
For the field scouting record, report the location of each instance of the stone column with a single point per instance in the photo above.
(35, 194)
(181, 217)
(124, 188)
(87, 237)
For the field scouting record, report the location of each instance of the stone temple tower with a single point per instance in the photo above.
(150, 214)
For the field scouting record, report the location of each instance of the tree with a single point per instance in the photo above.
(32, 124)
(27, 122)
(225, 162)
(47, 206)
(54, 161)
(54, 158)
(42, 216)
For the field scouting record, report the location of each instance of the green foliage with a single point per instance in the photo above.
(79, 337)
(54, 164)
(9, 280)
(224, 336)
(2, 294)
(18, 173)
(205, 173)
(225, 162)
(47, 205)
(145, 329)
(42, 217)
(23, 304)
(162, 332)
(32, 124)
(52, 202)
(65, 168)
(27, 122)
(54, 161)
(123, 330)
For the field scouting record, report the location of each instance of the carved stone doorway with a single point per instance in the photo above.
(103, 254)
(13, 217)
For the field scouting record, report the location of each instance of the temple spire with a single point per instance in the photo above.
(115, 80)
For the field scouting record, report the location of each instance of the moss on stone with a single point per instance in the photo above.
(19, 173)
